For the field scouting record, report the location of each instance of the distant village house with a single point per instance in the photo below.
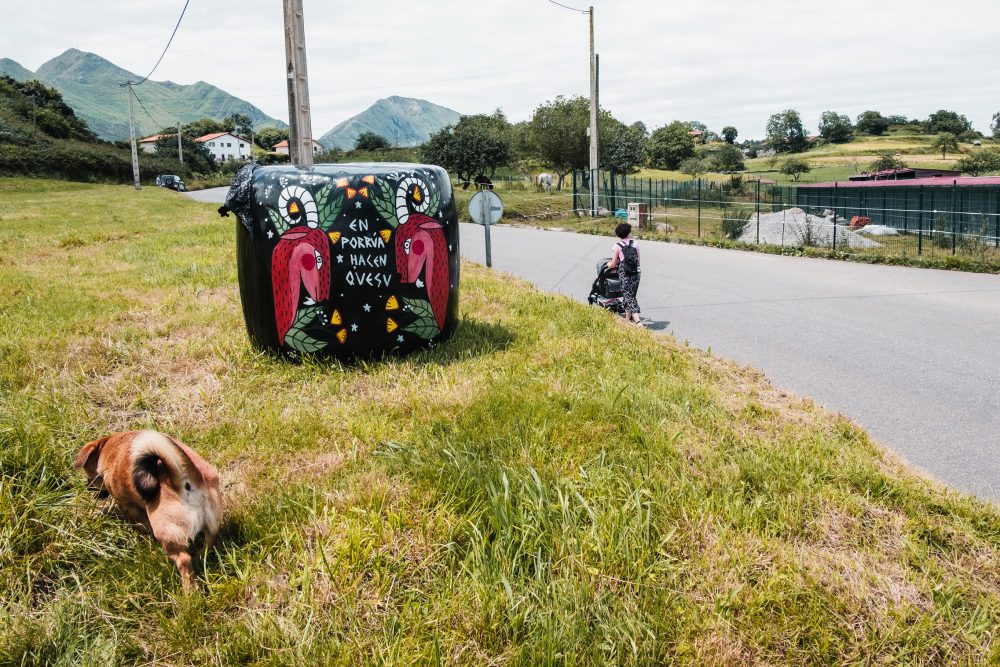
(282, 147)
(225, 146)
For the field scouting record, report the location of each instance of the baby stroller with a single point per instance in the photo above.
(606, 291)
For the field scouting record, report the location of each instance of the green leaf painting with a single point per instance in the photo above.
(425, 326)
(297, 338)
(382, 198)
(435, 199)
(279, 223)
(329, 201)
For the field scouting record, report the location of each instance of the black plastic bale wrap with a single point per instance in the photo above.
(349, 260)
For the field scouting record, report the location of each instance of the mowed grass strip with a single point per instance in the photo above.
(549, 487)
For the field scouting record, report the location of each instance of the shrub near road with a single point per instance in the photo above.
(548, 487)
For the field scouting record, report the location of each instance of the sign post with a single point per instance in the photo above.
(485, 208)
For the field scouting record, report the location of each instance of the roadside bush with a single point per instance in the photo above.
(733, 223)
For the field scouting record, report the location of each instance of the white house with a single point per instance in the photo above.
(149, 143)
(225, 146)
(282, 147)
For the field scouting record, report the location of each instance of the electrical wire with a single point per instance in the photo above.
(157, 125)
(169, 42)
(572, 9)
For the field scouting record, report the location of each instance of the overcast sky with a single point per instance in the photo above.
(720, 62)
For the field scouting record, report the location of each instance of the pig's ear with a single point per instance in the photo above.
(88, 455)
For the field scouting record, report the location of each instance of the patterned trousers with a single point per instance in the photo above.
(630, 286)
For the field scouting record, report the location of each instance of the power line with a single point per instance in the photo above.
(167, 46)
(157, 126)
(572, 9)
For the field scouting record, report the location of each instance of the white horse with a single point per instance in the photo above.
(543, 182)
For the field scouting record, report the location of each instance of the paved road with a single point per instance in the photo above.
(210, 195)
(913, 355)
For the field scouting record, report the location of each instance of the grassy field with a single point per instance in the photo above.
(550, 487)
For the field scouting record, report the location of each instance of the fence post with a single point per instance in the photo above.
(920, 222)
(574, 191)
(836, 191)
(954, 240)
(757, 198)
(699, 207)
(996, 231)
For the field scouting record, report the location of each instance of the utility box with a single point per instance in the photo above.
(638, 215)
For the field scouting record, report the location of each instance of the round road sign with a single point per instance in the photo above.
(485, 212)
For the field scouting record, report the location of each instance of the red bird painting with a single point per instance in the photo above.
(301, 257)
(421, 246)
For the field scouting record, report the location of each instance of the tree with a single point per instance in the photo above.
(872, 123)
(200, 128)
(370, 141)
(729, 134)
(995, 126)
(896, 120)
(795, 167)
(947, 121)
(785, 133)
(197, 157)
(886, 161)
(693, 167)
(670, 145)
(267, 137)
(981, 162)
(944, 142)
(722, 158)
(836, 128)
(627, 147)
(239, 124)
(476, 145)
(558, 133)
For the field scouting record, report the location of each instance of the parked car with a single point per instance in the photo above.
(170, 181)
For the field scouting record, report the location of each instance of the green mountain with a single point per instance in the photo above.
(14, 70)
(404, 121)
(91, 85)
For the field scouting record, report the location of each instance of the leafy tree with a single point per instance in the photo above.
(627, 147)
(947, 121)
(200, 128)
(981, 162)
(693, 167)
(886, 161)
(872, 123)
(944, 142)
(239, 124)
(670, 145)
(197, 157)
(520, 140)
(45, 109)
(729, 134)
(785, 133)
(558, 134)
(722, 158)
(836, 128)
(476, 145)
(897, 120)
(267, 137)
(995, 126)
(795, 167)
(370, 141)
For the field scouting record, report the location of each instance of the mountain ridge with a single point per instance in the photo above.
(404, 121)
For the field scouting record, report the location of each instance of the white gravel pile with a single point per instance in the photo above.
(795, 227)
(878, 230)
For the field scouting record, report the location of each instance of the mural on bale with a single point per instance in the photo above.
(348, 260)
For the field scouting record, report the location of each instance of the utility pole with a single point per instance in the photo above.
(300, 145)
(593, 120)
(131, 133)
(180, 153)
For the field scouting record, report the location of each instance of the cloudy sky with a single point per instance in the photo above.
(717, 61)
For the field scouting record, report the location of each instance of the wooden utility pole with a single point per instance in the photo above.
(593, 120)
(180, 153)
(131, 134)
(300, 144)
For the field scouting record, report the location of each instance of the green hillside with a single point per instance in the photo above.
(14, 70)
(91, 85)
(404, 121)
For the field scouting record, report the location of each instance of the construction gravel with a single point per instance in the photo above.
(795, 227)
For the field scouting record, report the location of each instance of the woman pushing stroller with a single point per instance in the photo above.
(625, 258)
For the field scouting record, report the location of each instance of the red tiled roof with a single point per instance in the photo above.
(280, 144)
(157, 137)
(940, 181)
(209, 137)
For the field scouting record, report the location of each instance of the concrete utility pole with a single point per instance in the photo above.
(131, 134)
(593, 120)
(180, 152)
(300, 144)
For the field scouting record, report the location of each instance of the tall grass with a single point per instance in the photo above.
(549, 487)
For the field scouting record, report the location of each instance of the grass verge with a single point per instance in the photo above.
(549, 487)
